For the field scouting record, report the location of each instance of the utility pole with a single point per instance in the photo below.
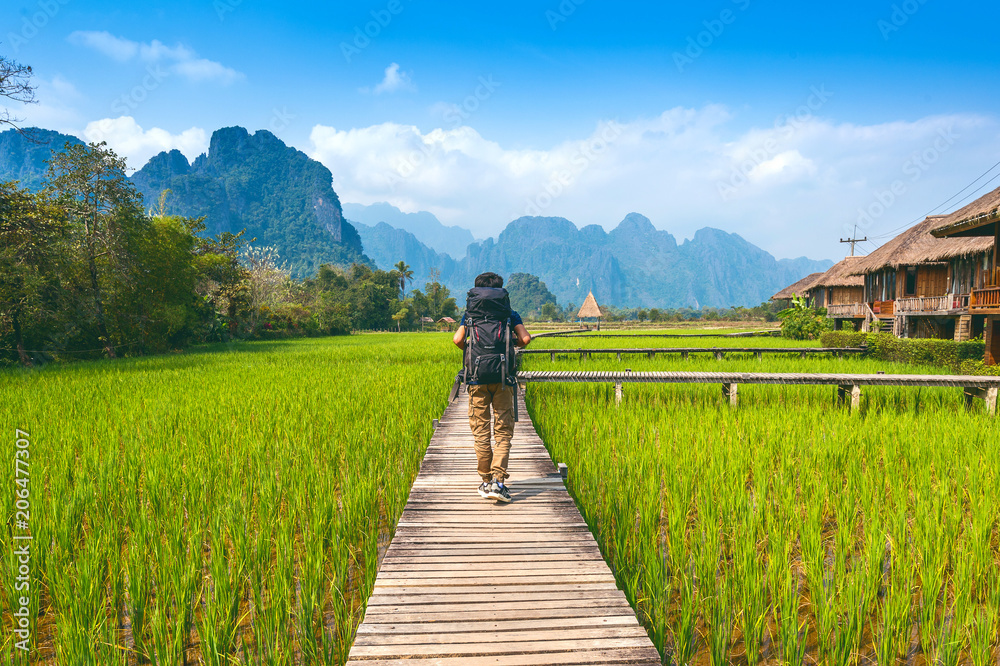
(855, 240)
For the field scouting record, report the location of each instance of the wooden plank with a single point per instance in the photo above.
(644, 656)
(484, 637)
(495, 624)
(470, 581)
(540, 647)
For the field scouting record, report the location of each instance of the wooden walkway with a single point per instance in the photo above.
(848, 385)
(468, 581)
(718, 352)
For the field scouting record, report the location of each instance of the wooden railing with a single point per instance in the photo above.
(985, 299)
(931, 304)
(851, 310)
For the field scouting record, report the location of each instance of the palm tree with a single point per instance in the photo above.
(405, 275)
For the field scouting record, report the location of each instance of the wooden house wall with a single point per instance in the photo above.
(880, 286)
(932, 280)
(846, 295)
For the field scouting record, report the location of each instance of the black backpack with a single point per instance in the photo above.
(489, 340)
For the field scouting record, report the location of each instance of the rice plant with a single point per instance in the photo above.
(221, 506)
(792, 531)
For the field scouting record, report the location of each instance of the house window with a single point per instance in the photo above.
(911, 281)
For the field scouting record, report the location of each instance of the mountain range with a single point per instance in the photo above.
(634, 265)
(286, 200)
(453, 241)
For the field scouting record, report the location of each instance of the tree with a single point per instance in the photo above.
(32, 228)
(15, 84)
(800, 322)
(550, 312)
(103, 205)
(405, 275)
(400, 315)
(528, 294)
(435, 301)
(266, 279)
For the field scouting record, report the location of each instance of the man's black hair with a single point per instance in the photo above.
(489, 279)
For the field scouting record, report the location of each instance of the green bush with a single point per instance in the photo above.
(961, 357)
(841, 339)
(801, 322)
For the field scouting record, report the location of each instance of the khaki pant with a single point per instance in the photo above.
(492, 459)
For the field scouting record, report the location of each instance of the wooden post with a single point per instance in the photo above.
(618, 393)
(435, 423)
(759, 355)
(854, 391)
(552, 357)
(619, 356)
(563, 470)
(731, 391)
(684, 356)
(802, 354)
(719, 355)
(581, 355)
(988, 395)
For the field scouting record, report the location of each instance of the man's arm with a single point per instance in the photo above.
(521, 335)
(459, 338)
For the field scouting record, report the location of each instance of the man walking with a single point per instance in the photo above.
(487, 335)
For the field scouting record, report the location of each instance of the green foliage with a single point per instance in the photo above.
(239, 491)
(528, 295)
(942, 353)
(435, 301)
(843, 339)
(85, 272)
(800, 322)
(964, 358)
(834, 533)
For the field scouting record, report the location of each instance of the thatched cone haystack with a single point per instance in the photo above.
(590, 309)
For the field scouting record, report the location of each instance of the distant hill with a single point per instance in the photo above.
(254, 181)
(387, 245)
(25, 157)
(277, 193)
(634, 265)
(429, 230)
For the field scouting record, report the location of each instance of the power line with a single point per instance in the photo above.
(945, 203)
(970, 185)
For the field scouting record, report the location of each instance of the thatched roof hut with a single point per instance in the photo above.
(590, 309)
(917, 246)
(842, 274)
(971, 220)
(799, 288)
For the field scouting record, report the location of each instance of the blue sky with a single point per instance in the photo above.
(784, 122)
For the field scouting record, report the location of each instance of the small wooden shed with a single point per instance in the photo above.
(590, 310)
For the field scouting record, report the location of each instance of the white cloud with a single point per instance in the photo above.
(137, 145)
(104, 42)
(789, 164)
(394, 81)
(185, 62)
(793, 189)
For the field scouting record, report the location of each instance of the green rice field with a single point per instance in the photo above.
(787, 530)
(218, 507)
(229, 505)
